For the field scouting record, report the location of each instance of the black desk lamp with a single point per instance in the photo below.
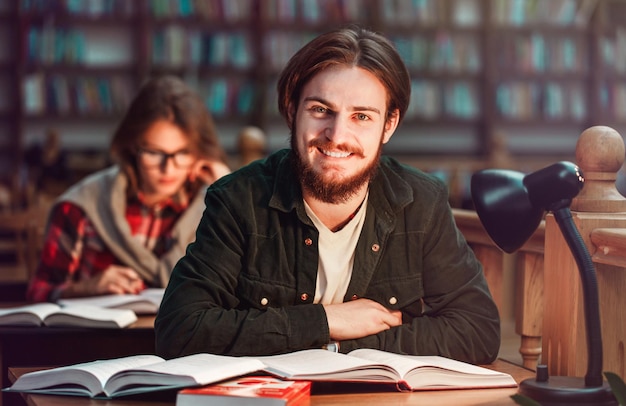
(510, 206)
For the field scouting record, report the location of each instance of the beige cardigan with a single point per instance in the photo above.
(102, 196)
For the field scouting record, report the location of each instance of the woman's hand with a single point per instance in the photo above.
(116, 279)
(208, 171)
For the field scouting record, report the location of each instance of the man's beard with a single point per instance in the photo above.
(331, 191)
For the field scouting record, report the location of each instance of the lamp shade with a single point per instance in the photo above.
(510, 205)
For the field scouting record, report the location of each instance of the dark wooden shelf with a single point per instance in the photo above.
(261, 74)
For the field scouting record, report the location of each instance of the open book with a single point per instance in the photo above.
(145, 302)
(369, 365)
(144, 373)
(134, 374)
(53, 315)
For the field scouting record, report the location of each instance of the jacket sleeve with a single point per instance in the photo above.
(458, 317)
(204, 308)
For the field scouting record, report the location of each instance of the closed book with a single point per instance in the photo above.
(248, 390)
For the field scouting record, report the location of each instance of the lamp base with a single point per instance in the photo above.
(567, 391)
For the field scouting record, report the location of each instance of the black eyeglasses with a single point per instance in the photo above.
(152, 158)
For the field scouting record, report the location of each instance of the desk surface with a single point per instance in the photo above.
(334, 394)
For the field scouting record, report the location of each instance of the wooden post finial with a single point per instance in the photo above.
(600, 155)
(251, 144)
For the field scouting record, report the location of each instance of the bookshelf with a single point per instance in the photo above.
(533, 73)
(214, 46)
(609, 77)
(8, 80)
(442, 44)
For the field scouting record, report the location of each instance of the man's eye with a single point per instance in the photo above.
(362, 117)
(320, 109)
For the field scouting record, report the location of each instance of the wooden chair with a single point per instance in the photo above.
(21, 241)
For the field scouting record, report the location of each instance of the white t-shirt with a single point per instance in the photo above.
(336, 256)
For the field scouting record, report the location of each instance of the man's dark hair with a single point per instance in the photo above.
(352, 46)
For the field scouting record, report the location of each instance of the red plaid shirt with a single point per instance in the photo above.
(73, 249)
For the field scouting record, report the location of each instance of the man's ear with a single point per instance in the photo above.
(390, 125)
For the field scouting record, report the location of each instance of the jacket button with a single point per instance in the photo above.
(375, 247)
(354, 297)
(393, 300)
(304, 297)
(264, 301)
(308, 241)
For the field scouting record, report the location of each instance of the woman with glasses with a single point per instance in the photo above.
(122, 229)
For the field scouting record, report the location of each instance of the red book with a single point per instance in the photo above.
(248, 390)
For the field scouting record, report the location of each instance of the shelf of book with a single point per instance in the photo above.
(478, 68)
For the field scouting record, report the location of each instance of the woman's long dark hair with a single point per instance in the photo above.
(165, 98)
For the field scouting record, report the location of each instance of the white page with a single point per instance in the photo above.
(404, 363)
(203, 368)
(154, 294)
(101, 370)
(40, 309)
(98, 313)
(438, 371)
(150, 295)
(123, 317)
(317, 362)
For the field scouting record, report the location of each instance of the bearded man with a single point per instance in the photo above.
(330, 244)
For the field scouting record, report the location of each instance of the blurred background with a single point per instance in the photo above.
(497, 83)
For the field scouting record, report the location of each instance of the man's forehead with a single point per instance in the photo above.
(352, 86)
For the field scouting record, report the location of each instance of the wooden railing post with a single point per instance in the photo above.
(529, 280)
(600, 155)
(529, 297)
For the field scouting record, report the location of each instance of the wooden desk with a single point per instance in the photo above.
(325, 394)
(36, 346)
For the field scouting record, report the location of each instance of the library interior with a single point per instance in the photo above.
(508, 84)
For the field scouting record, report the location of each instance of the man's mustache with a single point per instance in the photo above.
(331, 146)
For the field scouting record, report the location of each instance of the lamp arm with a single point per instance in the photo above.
(564, 219)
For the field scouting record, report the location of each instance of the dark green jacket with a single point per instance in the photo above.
(246, 285)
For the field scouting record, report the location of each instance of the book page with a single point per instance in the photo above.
(146, 302)
(99, 301)
(91, 316)
(27, 315)
(405, 363)
(437, 371)
(402, 364)
(197, 369)
(83, 373)
(104, 369)
(153, 294)
(323, 364)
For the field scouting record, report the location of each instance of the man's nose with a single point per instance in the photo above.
(337, 130)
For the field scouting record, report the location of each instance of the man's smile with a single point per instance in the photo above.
(335, 154)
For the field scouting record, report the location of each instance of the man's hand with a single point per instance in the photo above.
(359, 318)
(115, 279)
